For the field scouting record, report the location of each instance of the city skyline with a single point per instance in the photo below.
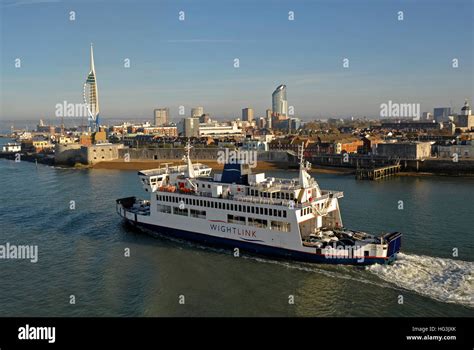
(188, 63)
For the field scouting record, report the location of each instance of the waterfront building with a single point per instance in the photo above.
(65, 139)
(268, 118)
(191, 127)
(405, 150)
(441, 114)
(410, 126)
(319, 148)
(461, 150)
(247, 114)
(255, 145)
(171, 131)
(465, 120)
(220, 129)
(294, 124)
(348, 147)
(279, 101)
(161, 116)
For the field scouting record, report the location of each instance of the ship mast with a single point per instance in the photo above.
(187, 159)
(303, 176)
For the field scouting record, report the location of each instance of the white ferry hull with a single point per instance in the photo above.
(244, 240)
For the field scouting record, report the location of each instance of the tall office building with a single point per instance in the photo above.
(91, 95)
(247, 114)
(441, 114)
(197, 112)
(268, 118)
(161, 116)
(279, 102)
(191, 127)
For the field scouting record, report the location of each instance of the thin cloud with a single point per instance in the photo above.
(17, 3)
(207, 41)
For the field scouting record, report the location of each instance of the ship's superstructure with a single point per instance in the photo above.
(289, 218)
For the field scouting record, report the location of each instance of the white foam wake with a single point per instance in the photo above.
(446, 280)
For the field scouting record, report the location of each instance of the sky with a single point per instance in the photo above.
(191, 63)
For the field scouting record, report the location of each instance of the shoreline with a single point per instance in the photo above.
(261, 166)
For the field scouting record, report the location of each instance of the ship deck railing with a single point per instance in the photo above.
(268, 201)
(172, 169)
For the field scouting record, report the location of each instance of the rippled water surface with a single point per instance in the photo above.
(81, 253)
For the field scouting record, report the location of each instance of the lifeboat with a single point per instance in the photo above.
(168, 188)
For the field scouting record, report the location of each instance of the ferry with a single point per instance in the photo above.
(292, 219)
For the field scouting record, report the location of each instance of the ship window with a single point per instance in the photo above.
(220, 205)
(197, 213)
(208, 186)
(279, 213)
(178, 211)
(228, 206)
(234, 219)
(266, 211)
(253, 210)
(281, 226)
(261, 211)
(366, 253)
(240, 207)
(257, 222)
(284, 213)
(200, 203)
(164, 209)
(245, 209)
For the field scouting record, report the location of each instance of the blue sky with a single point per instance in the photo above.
(190, 62)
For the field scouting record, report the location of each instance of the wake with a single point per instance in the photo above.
(446, 280)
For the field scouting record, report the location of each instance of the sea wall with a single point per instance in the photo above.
(143, 154)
